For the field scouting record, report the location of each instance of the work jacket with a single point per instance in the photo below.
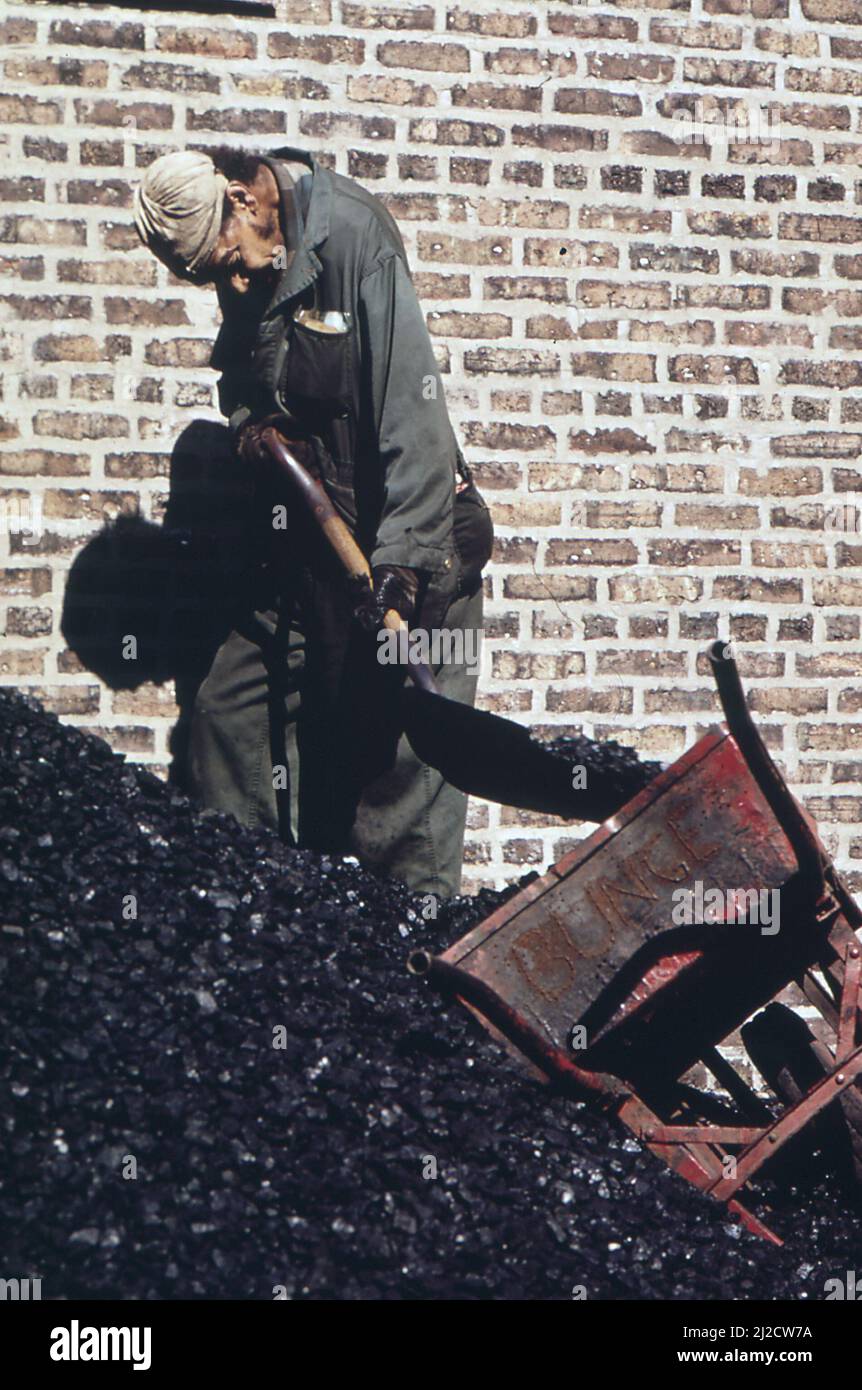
(369, 392)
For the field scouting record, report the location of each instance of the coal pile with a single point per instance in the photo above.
(157, 1144)
(615, 766)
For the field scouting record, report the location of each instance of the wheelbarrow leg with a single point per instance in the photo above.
(701, 1163)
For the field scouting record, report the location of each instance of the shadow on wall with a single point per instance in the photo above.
(149, 603)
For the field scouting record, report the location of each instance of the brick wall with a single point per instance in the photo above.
(635, 228)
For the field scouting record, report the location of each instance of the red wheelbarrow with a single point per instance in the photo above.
(612, 979)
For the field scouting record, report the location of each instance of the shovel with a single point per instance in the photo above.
(479, 753)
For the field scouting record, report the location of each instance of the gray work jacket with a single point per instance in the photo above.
(372, 394)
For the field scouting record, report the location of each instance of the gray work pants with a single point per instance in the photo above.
(285, 734)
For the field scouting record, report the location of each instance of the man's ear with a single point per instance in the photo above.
(241, 197)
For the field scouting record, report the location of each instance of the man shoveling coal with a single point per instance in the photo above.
(296, 723)
(337, 414)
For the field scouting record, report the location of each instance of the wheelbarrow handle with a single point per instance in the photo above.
(352, 559)
(802, 839)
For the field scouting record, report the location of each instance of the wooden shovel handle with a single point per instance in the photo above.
(352, 559)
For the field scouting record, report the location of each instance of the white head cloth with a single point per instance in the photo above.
(178, 208)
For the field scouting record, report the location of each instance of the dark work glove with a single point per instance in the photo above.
(253, 451)
(393, 587)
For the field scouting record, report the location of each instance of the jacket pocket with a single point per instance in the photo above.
(317, 377)
(474, 536)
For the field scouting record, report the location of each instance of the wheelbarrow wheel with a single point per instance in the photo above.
(791, 1060)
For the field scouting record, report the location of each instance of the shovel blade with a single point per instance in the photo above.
(487, 756)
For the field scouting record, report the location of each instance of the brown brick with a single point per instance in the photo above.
(58, 306)
(594, 101)
(678, 260)
(522, 287)
(772, 188)
(621, 219)
(172, 77)
(28, 622)
(110, 272)
(629, 67)
(565, 588)
(834, 375)
(67, 700)
(30, 662)
(658, 143)
(499, 212)
(178, 352)
(237, 121)
(713, 517)
(486, 250)
(358, 16)
(29, 110)
(527, 62)
(641, 663)
(671, 183)
(801, 45)
(528, 171)
(508, 436)
(753, 589)
(590, 551)
(559, 252)
(318, 48)
(819, 116)
(390, 91)
(496, 25)
(703, 35)
(772, 152)
(694, 552)
(455, 324)
(32, 582)
(609, 441)
(818, 444)
(798, 555)
(22, 267)
(828, 664)
(508, 98)
(607, 514)
(599, 294)
(718, 370)
(589, 700)
(848, 266)
(41, 147)
(216, 41)
(750, 333)
(631, 366)
(456, 132)
(506, 665)
(22, 190)
(111, 193)
(69, 424)
(428, 57)
(559, 137)
(96, 33)
(795, 226)
(17, 30)
(722, 186)
(731, 224)
(596, 26)
(49, 72)
(728, 72)
(822, 79)
(144, 115)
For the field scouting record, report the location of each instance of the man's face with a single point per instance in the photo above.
(242, 259)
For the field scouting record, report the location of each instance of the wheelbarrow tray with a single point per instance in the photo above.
(591, 975)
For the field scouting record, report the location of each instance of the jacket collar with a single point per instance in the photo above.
(305, 265)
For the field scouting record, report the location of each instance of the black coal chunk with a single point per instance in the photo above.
(611, 764)
(218, 1080)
